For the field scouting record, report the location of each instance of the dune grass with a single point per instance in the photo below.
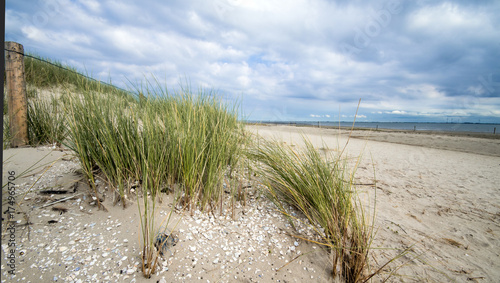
(322, 190)
(46, 121)
(46, 118)
(7, 137)
(187, 139)
(45, 73)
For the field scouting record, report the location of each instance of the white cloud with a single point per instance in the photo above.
(35, 34)
(397, 112)
(92, 5)
(449, 17)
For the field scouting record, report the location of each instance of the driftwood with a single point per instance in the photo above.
(58, 201)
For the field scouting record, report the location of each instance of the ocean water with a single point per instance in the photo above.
(446, 127)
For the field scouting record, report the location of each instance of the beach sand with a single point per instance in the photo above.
(436, 195)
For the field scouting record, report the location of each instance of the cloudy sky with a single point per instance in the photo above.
(286, 59)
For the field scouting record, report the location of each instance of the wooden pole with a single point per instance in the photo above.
(16, 91)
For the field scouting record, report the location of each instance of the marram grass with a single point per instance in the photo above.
(46, 120)
(161, 139)
(322, 190)
(181, 138)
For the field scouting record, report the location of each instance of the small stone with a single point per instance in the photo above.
(62, 249)
(193, 249)
(296, 244)
(71, 243)
(105, 254)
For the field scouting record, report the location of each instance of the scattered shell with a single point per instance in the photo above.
(130, 271)
(100, 253)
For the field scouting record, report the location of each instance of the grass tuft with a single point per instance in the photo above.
(46, 121)
(322, 190)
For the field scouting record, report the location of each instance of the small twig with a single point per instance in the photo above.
(293, 260)
(474, 278)
(58, 201)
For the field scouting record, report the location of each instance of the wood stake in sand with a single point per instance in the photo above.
(16, 91)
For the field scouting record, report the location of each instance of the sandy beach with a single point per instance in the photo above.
(436, 195)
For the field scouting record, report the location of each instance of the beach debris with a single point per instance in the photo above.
(453, 242)
(60, 208)
(165, 240)
(54, 192)
(60, 200)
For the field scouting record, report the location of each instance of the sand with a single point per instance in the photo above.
(440, 195)
(436, 195)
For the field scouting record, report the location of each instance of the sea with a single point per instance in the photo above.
(417, 126)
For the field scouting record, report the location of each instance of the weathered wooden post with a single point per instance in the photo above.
(16, 91)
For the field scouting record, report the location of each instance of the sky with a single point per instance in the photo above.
(285, 60)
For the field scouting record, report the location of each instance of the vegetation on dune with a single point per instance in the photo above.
(46, 121)
(187, 139)
(181, 138)
(322, 189)
(47, 73)
(46, 116)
